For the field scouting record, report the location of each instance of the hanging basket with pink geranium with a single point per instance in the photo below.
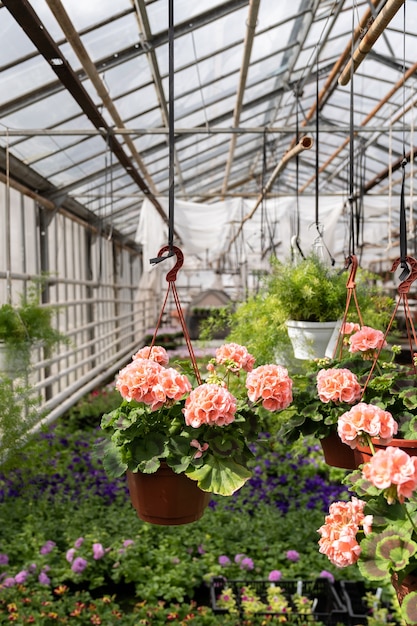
(202, 429)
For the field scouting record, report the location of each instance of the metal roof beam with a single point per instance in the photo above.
(26, 17)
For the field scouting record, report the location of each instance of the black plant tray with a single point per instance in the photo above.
(329, 609)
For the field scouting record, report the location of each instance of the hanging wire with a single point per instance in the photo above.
(403, 222)
(295, 240)
(317, 180)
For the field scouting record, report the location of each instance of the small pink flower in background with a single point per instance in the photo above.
(272, 385)
(274, 575)
(98, 551)
(246, 563)
(157, 354)
(293, 555)
(79, 565)
(209, 404)
(200, 448)
(43, 579)
(239, 557)
(338, 385)
(224, 560)
(366, 418)
(128, 542)
(392, 466)
(9, 582)
(79, 542)
(349, 327)
(47, 547)
(21, 577)
(367, 339)
(237, 353)
(4, 559)
(325, 574)
(338, 535)
(70, 555)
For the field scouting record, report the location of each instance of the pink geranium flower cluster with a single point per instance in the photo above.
(145, 380)
(338, 385)
(366, 419)
(236, 356)
(338, 535)
(393, 470)
(209, 404)
(367, 340)
(271, 385)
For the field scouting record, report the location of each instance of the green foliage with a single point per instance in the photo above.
(29, 323)
(307, 291)
(18, 414)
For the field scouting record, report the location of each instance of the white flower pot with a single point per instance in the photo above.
(310, 339)
(11, 363)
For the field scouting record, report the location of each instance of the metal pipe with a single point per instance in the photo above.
(365, 45)
(247, 50)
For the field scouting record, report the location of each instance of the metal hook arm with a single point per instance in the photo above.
(352, 261)
(404, 286)
(172, 274)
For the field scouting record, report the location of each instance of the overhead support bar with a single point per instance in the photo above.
(261, 130)
(29, 21)
(305, 143)
(365, 45)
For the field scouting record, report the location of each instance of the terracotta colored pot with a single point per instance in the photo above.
(363, 453)
(336, 453)
(166, 498)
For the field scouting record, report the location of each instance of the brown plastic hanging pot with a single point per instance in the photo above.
(166, 498)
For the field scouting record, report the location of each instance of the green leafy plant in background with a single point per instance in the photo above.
(308, 290)
(29, 323)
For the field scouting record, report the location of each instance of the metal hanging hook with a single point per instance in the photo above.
(404, 286)
(172, 274)
(352, 261)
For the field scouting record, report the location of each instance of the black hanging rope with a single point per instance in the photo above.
(403, 222)
(171, 138)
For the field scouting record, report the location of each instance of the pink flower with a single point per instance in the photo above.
(70, 555)
(157, 354)
(349, 327)
(146, 381)
(209, 404)
(338, 385)
(366, 418)
(137, 380)
(98, 551)
(338, 535)
(392, 466)
(274, 575)
(367, 339)
(272, 385)
(200, 448)
(236, 353)
(171, 385)
(79, 565)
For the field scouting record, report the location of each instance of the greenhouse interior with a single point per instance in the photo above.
(183, 186)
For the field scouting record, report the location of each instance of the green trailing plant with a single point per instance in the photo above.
(29, 323)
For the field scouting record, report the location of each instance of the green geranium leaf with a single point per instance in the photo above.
(222, 477)
(409, 608)
(385, 552)
(113, 464)
(143, 450)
